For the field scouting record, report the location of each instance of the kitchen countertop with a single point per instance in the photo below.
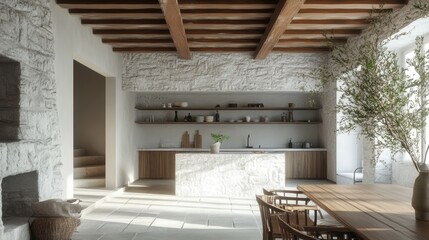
(235, 149)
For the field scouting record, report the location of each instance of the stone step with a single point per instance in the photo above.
(89, 171)
(89, 182)
(79, 152)
(88, 161)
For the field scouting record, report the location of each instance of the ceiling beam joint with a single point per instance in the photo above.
(282, 17)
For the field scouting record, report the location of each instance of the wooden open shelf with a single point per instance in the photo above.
(227, 108)
(140, 122)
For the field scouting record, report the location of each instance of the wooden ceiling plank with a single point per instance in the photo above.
(227, 16)
(108, 4)
(283, 15)
(121, 16)
(305, 40)
(141, 49)
(136, 40)
(143, 45)
(225, 49)
(327, 26)
(302, 49)
(227, 4)
(172, 16)
(354, 4)
(351, 14)
(222, 45)
(303, 44)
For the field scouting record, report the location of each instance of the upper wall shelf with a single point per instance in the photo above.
(227, 108)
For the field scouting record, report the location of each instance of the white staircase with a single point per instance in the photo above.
(89, 171)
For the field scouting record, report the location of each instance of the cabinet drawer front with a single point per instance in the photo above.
(156, 165)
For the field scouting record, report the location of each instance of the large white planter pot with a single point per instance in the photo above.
(215, 147)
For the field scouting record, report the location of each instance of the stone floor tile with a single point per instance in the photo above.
(119, 236)
(86, 236)
(89, 226)
(112, 227)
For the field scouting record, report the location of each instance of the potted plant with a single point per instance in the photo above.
(384, 103)
(218, 138)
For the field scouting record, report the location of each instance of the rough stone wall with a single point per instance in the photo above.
(208, 72)
(26, 37)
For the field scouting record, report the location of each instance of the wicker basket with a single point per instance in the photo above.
(54, 228)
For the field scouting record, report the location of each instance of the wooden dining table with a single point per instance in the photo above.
(373, 211)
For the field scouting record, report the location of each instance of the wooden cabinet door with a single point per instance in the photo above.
(306, 165)
(157, 165)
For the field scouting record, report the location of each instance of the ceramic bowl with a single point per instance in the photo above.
(209, 118)
(199, 119)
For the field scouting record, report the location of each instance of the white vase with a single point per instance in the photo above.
(215, 147)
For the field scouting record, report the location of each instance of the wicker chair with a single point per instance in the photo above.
(291, 197)
(290, 233)
(297, 217)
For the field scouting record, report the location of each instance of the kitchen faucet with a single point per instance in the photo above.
(248, 142)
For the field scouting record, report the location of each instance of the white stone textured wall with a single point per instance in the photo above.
(26, 36)
(228, 174)
(208, 72)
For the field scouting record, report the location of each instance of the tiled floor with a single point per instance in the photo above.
(148, 210)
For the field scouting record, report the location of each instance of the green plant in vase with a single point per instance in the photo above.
(218, 138)
(386, 103)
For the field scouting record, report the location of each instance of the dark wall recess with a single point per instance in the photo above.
(10, 74)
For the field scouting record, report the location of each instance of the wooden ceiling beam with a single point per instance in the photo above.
(283, 15)
(173, 17)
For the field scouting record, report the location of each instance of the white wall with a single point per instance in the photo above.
(75, 42)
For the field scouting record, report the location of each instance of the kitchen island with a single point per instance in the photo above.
(228, 174)
(300, 163)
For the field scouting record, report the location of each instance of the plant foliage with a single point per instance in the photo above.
(379, 98)
(218, 137)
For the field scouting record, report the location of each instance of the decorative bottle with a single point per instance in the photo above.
(176, 118)
(217, 116)
(290, 143)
